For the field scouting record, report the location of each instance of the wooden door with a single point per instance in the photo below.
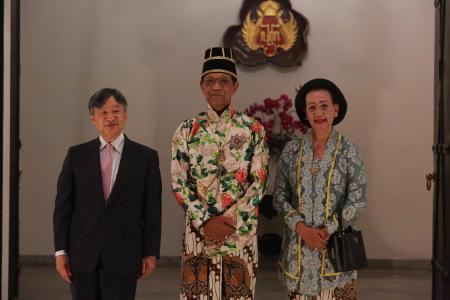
(441, 149)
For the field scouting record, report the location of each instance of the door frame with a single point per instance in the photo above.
(10, 149)
(441, 208)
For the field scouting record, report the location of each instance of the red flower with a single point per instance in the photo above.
(286, 120)
(241, 175)
(271, 104)
(179, 198)
(287, 105)
(226, 200)
(195, 128)
(297, 124)
(256, 127)
(276, 118)
(257, 211)
(250, 111)
(262, 175)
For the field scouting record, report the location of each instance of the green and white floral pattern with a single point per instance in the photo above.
(236, 189)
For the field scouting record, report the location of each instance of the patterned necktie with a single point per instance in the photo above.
(106, 163)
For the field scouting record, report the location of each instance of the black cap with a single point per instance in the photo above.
(320, 84)
(220, 60)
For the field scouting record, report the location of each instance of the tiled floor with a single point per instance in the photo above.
(42, 283)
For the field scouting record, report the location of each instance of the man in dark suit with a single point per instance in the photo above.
(107, 217)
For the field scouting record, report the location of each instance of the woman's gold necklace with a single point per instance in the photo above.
(315, 167)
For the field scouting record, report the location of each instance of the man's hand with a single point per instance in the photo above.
(315, 238)
(63, 267)
(219, 228)
(148, 266)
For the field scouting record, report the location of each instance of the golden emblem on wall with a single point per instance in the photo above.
(269, 31)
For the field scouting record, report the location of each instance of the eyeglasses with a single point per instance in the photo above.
(209, 82)
(322, 107)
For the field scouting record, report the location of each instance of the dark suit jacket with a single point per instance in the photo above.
(121, 230)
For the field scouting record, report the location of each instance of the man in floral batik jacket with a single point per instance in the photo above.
(219, 175)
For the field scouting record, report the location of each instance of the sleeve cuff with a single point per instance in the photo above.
(292, 218)
(60, 252)
(331, 227)
(198, 223)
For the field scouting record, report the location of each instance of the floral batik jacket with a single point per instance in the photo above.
(304, 270)
(220, 167)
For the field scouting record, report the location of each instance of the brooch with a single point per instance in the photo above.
(237, 141)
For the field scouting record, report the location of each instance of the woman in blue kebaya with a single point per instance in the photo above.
(317, 172)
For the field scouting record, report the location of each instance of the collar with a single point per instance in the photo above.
(330, 146)
(226, 115)
(117, 143)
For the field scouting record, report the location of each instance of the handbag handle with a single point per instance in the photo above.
(339, 209)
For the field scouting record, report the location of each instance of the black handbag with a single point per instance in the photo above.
(346, 248)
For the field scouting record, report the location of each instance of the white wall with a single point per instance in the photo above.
(379, 52)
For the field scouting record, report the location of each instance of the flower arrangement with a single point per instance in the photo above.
(276, 115)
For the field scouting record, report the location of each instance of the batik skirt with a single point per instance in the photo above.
(347, 292)
(227, 277)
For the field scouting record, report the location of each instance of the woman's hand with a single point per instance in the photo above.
(315, 238)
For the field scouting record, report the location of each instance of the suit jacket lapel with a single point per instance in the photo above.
(124, 171)
(94, 153)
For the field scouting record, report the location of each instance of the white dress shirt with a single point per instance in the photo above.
(116, 156)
